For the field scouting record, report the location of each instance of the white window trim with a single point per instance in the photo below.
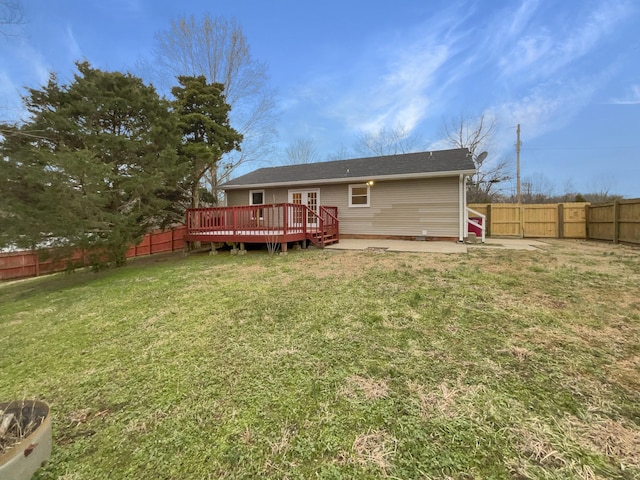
(304, 190)
(251, 192)
(359, 205)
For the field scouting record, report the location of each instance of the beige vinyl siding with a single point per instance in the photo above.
(271, 195)
(400, 207)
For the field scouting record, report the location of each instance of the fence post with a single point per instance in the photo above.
(37, 258)
(586, 221)
(616, 221)
(487, 220)
(560, 220)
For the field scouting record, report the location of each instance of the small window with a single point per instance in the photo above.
(256, 197)
(359, 195)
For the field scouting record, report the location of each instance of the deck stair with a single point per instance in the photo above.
(322, 239)
(326, 231)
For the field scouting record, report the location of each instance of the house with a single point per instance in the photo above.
(407, 196)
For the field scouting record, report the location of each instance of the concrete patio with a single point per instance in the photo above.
(434, 247)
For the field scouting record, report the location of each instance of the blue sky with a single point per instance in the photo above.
(568, 72)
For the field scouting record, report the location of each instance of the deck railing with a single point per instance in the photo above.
(331, 222)
(280, 218)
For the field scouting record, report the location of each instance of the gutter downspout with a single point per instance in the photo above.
(465, 213)
(462, 201)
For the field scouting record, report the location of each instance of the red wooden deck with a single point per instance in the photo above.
(275, 223)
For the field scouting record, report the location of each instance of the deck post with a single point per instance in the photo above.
(235, 222)
(285, 217)
(283, 248)
(242, 251)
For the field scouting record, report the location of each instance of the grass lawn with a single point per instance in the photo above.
(494, 364)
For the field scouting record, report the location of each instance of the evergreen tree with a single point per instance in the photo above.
(206, 134)
(92, 167)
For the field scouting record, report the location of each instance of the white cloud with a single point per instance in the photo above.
(75, 52)
(523, 16)
(38, 66)
(544, 109)
(128, 7)
(397, 88)
(541, 51)
(632, 98)
(400, 95)
(530, 49)
(32, 70)
(9, 99)
(525, 67)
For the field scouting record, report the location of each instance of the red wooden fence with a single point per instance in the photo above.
(26, 264)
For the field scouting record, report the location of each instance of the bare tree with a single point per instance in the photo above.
(388, 141)
(601, 190)
(476, 135)
(11, 13)
(537, 188)
(301, 150)
(341, 153)
(217, 48)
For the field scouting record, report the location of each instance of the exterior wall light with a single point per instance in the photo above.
(370, 183)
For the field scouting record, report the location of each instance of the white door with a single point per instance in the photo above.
(310, 198)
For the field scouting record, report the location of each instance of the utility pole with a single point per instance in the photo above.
(518, 165)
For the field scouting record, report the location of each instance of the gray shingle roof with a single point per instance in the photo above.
(410, 165)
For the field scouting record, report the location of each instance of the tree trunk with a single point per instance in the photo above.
(195, 195)
(195, 203)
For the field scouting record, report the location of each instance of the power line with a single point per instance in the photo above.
(580, 148)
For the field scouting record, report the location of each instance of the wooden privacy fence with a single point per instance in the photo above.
(618, 221)
(553, 220)
(26, 264)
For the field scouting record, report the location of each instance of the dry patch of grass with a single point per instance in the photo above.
(79, 416)
(519, 353)
(546, 451)
(535, 442)
(627, 373)
(247, 436)
(615, 439)
(371, 388)
(375, 448)
(281, 445)
(447, 400)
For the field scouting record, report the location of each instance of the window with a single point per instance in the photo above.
(359, 195)
(256, 197)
